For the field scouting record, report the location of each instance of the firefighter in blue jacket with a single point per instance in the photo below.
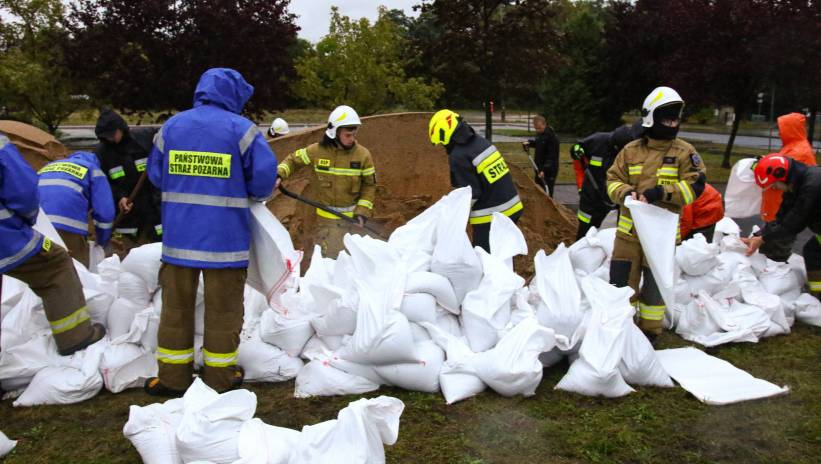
(45, 266)
(68, 189)
(208, 162)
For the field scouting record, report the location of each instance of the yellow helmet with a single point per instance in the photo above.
(441, 126)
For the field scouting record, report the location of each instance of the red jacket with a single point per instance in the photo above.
(704, 212)
(793, 130)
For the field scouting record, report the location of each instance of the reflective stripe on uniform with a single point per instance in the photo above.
(303, 155)
(369, 171)
(364, 203)
(127, 230)
(212, 359)
(596, 161)
(158, 229)
(13, 259)
(481, 157)
(612, 186)
(159, 143)
(286, 171)
(345, 210)
(140, 164)
(164, 355)
(205, 200)
(60, 183)
(625, 225)
(669, 171)
(635, 170)
(584, 217)
(116, 173)
(97, 173)
(71, 321)
(67, 221)
(815, 286)
(4, 214)
(247, 139)
(651, 312)
(103, 225)
(686, 192)
(4, 141)
(339, 171)
(508, 208)
(65, 167)
(208, 256)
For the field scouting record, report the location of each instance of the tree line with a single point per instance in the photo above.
(581, 63)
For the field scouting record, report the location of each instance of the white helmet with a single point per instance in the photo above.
(342, 116)
(660, 96)
(278, 127)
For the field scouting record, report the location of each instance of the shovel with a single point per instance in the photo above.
(535, 168)
(329, 210)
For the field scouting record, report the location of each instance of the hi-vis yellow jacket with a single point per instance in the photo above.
(646, 163)
(346, 178)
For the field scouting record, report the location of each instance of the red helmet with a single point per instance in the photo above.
(771, 169)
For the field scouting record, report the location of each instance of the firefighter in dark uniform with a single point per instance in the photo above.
(659, 169)
(546, 145)
(476, 163)
(800, 208)
(123, 155)
(596, 153)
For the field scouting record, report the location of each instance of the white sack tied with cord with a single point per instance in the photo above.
(657, 229)
(742, 197)
(697, 257)
(272, 259)
(555, 282)
(588, 253)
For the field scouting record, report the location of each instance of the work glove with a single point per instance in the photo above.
(654, 194)
(577, 152)
(627, 195)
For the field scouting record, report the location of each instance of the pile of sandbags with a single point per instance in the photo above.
(204, 426)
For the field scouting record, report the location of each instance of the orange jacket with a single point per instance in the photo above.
(793, 130)
(704, 212)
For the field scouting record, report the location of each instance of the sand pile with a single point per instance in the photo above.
(412, 174)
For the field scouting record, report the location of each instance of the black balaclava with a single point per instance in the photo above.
(660, 131)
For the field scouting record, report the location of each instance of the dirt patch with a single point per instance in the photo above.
(37, 147)
(412, 174)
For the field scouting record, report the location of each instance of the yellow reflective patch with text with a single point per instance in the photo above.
(199, 163)
(71, 169)
(495, 170)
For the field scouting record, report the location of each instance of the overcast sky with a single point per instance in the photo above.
(314, 16)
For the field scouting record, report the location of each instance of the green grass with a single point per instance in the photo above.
(649, 426)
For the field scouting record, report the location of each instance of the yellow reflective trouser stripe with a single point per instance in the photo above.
(596, 161)
(815, 286)
(686, 192)
(612, 186)
(508, 212)
(327, 215)
(635, 170)
(584, 217)
(625, 225)
(651, 312)
(219, 359)
(488, 161)
(303, 155)
(365, 203)
(71, 321)
(167, 356)
(284, 170)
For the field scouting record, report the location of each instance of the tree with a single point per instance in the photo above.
(487, 50)
(146, 55)
(361, 64)
(33, 83)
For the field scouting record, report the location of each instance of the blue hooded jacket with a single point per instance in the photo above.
(208, 161)
(19, 205)
(72, 186)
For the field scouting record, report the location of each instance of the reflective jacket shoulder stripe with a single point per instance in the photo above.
(4, 141)
(60, 183)
(103, 225)
(207, 256)
(484, 154)
(247, 139)
(20, 254)
(67, 221)
(205, 200)
(4, 214)
(159, 142)
(490, 210)
(97, 173)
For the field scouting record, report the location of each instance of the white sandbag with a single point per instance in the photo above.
(380, 266)
(420, 334)
(712, 380)
(506, 239)
(6, 445)
(422, 375)
(520, 307)
(742, 197)
(607, 239)
(808, 309)
(264, 362)
(209, 429)
(25, 360)
(358, 434)
(288, 334)
(657, 229)
(457, 378)
(726, 226)
(335, 314)
(449, 323)
(98, 304)
(365, 371)
(319, 378)
(588, 253)
(120, 316)
(697, 257)
(77, 381)
(419, 307)
(96, 255)
(260, 443)
(126, 365)
(556, 284)
(418, 234)
(144, 329)
(486, 310)
(133, 288)
(596, 371)
(272, 258)
(151, 429)
(453, 256)
(512, 367)
(798, 267)
(778, 278)
(639, 363)
(144, 261)
(436, 285)
(710, 323)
